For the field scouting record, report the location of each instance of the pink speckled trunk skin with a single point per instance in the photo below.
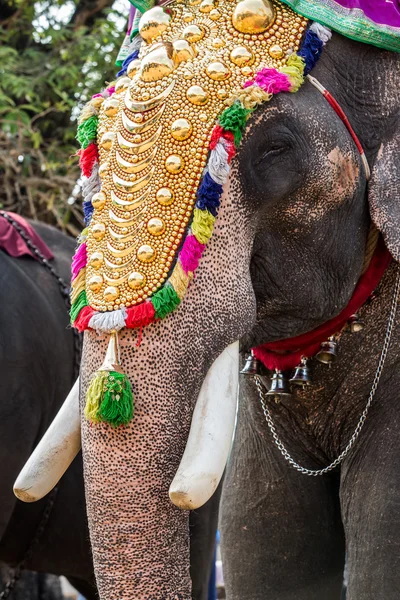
(140, 540)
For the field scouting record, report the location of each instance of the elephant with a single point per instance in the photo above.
(289, 245)
(33, 585)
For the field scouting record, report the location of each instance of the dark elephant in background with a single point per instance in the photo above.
(32, 586)
(36, 371)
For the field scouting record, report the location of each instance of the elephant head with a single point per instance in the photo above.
(286, 253)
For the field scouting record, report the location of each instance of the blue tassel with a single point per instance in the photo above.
(126, 62)
(310, 50)
(87, 211)
(209, 194)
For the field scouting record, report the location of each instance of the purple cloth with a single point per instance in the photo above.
(375, 22)
(12, 243)
(384, 12)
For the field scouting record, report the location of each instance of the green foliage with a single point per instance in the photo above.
(53, 57)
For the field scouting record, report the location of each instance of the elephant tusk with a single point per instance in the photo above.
(54, 453)
(211, 434)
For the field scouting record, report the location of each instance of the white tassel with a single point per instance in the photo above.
(108, 321)
(135, 43)
(322, 32)
(218, 164)
(91, 185)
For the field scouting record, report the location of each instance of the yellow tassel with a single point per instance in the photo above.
(179, 280)
(202, 226)
(94, 396)
(251, 97)
(78, 285)
(297, 61)
(87, 111)
(97, 102)
(294, 68)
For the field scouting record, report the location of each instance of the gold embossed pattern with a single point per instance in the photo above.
(153, 134)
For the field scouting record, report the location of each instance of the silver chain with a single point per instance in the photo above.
(360, 424)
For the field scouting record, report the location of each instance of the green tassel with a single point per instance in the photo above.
(165, 301)
(94, 396)
(234, 119)
(116, 407)
(109, 397)
(77, 306)
(87, 131)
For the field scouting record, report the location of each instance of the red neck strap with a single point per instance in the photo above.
(286, 354)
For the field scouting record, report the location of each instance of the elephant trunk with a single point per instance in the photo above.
(140, 540)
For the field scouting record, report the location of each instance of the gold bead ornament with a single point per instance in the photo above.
(153, 133)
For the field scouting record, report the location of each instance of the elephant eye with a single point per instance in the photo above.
(271, 152)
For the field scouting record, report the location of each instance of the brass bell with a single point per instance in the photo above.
(252, 366)
(328, 352)
(356, 324)
(301, 375)
(279, 386)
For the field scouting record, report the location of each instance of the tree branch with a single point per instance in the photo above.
(87, 11)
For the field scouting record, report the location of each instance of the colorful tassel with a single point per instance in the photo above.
(165, 301)
(202, 225)
(76, 307)
(81, 323)
(87, 131)
(87, 158)
(179, 280)
(79, 260)
(140, 315)
(116, 407)
(191, 253)
(234, 119)
(109, 398)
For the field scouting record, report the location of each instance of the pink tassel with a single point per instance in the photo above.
(271, 81)
(79, 260)
(191, 253)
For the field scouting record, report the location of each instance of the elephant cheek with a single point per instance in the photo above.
(140, 540)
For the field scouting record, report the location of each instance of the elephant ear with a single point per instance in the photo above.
(384, 194)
